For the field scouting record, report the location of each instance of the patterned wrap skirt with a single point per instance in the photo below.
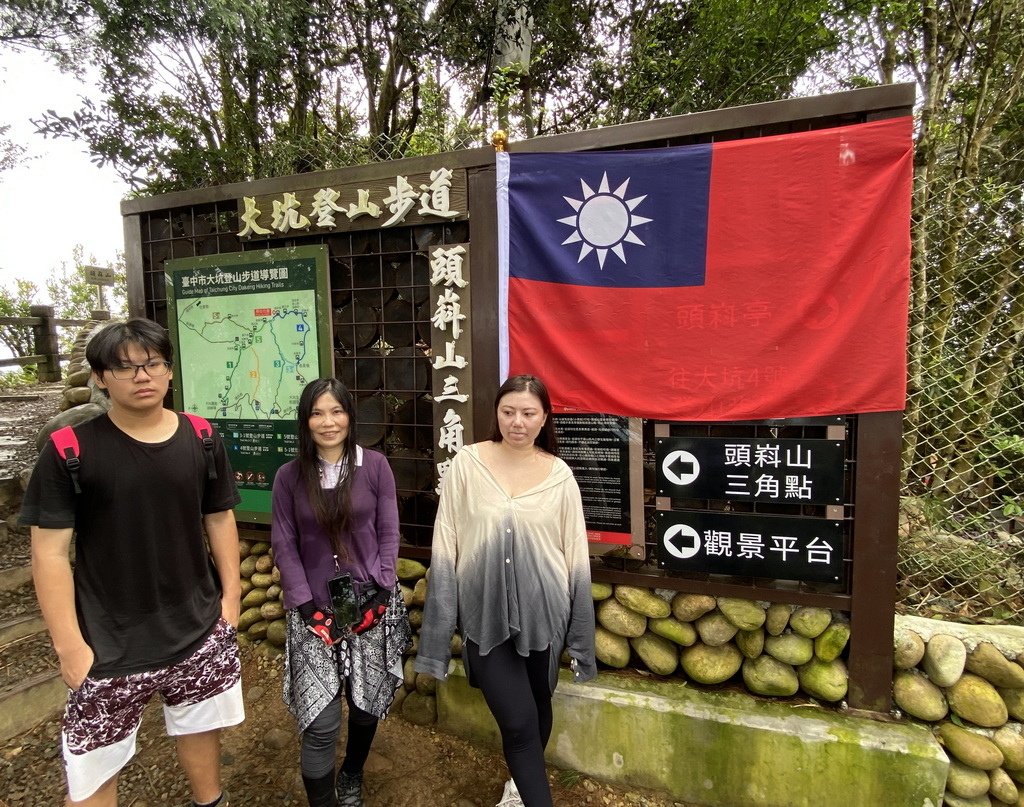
(371, 661)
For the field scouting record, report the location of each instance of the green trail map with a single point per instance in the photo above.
(250, 330)
(258, 352)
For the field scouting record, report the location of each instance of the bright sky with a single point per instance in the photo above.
(61, 185)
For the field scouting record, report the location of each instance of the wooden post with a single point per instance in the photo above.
(44, 336)
(872, 613)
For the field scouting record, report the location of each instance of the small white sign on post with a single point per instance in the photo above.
(99, 275)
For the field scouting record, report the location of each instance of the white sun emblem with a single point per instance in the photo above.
(604, 220)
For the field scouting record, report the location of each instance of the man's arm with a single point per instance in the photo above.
(55, 590)
(222, 533)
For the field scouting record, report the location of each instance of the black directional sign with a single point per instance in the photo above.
(783, 471)
(779, 547)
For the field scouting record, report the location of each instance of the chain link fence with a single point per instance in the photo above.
(962, 515)
(284, 157)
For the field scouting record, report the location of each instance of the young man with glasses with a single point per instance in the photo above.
(151, 607)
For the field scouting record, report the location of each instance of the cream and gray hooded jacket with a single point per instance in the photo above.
(508, 567)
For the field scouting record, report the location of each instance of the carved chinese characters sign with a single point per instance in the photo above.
(450, 346)
(437, 196)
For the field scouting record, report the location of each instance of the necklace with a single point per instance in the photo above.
(331, 472)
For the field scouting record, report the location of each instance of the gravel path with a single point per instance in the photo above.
(25, 658)
(409, 766)
(18, 602)
(23, 411)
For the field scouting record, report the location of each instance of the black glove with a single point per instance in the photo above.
(374, 611)
(320, 622)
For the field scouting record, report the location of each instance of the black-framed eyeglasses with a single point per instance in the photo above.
(127, 372)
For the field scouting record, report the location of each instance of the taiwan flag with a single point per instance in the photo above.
(742, 280)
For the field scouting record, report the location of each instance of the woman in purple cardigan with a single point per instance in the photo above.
(335, 517)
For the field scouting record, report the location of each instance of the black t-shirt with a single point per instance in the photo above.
(146, 590)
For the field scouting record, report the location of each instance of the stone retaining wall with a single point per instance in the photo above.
(966, 681)
(262, 616)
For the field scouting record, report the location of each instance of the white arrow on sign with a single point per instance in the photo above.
(682, 540)
(680, 467)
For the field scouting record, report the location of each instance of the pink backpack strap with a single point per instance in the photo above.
(204, 431)
(66, 442)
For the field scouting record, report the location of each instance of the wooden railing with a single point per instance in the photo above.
(46, 353)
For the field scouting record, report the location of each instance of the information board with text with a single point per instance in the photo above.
(598, 450)
(250, 330)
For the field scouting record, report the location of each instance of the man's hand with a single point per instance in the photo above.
(229, 610)
(55, 590)
(374, 612)
(75, 665)
(222, 533)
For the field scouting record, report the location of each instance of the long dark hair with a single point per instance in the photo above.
(546, 440)
(332, 506)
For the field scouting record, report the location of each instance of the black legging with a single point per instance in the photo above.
(321, 736)
(518, 694)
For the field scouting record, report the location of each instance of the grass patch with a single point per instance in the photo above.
(569, 778)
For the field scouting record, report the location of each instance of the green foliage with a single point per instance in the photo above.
(438, 130)
(1013, 508)
(230, 90)
(54, 27)
(1004, 457)
(965, 405)
(692, 56)
(18, 377)
(504, 83)
(15, 302)
(74, 298)
(569, 778)
(667, 57)
(69, 294)
(11, 153)
(233, 90)
(200, 95)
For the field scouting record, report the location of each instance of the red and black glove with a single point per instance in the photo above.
(375, 610)
(320, 622)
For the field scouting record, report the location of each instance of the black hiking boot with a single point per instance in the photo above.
(350, 789)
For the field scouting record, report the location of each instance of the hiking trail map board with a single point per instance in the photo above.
(249, 333)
